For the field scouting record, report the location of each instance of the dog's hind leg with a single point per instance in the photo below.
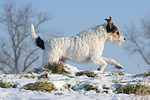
(101, 68)
(62, 60)
(112, 62)
(100, 62)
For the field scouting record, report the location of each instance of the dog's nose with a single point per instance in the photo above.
(124, 38)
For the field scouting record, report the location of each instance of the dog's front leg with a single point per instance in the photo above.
(112, 62)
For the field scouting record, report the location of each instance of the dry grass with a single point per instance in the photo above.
(40, 86)
(57, 68)
(89, 87)
(7, 85)
(29, 76)
(87, 73)
(43, 76)
(146, 74)
(138, 89)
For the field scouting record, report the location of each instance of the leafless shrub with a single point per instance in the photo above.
(16, 53)
(138, 40)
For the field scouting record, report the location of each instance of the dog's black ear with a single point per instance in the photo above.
(110, 23)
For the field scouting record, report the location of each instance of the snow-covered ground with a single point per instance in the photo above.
(106, 78)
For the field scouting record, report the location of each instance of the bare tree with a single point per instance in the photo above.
(16, 54)
(138, 40)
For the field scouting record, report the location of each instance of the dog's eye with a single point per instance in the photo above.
(117, 33)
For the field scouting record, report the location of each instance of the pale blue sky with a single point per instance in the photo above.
(73, 16)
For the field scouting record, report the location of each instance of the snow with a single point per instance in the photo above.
(107, 78)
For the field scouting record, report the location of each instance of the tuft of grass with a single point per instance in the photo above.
(115, 73)
(78, 86)
(57, 68)
(105, 87)
(58, 93)
(29, 76)
(7, 85)
(138, 89)
(43, 76)
(120, 73)
(87, 73)
(89, 87)
(29, 72)
(67, 86)
(109, 75)
(80, 73)
(40, 86)
(146, 74)
(38, 70)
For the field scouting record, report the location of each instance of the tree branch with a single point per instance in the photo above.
(25, 62)
(17, 22)
(30, 64)
(42, 18)
(5, 63)
(142, 54)
(2, 69)
(5, 52)
(136, 40)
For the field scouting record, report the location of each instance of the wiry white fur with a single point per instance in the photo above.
(33, 35)
(87, 46)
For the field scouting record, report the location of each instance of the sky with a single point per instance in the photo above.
(73, 16)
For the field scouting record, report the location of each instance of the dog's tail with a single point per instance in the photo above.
(38, 41)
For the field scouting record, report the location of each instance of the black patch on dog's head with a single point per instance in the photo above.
(111, 27)
(40, 43)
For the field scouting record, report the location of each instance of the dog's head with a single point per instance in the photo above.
(113, 32)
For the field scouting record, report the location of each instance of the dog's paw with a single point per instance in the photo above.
(118, 67)
(100, 69)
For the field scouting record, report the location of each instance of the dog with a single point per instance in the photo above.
(85, 47)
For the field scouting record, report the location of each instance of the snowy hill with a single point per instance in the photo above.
(77, 85)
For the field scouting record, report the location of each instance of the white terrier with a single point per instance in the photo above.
(87, 46)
